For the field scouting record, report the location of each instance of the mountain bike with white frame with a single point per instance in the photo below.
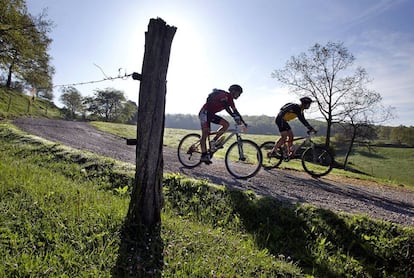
(317, 160)
(243, 158)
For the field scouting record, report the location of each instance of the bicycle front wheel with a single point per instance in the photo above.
(317, 161)
(189, 150)
(243, 159)
(273, 160)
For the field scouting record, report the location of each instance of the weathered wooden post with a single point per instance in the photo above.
(141, 247)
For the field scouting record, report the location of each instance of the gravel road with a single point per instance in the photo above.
(379, 201)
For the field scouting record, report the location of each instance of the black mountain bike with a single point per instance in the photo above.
(243, 158)
(317, 160)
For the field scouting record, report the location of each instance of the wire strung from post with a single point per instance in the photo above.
(125, 76)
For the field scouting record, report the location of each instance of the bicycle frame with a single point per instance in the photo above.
(316, 160)
(233, 132)
(242, 158)
(306, 141)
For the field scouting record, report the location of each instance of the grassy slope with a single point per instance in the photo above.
(62, 210)
(13, 104)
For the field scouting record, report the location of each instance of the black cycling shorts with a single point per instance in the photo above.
(282, 124)
(207, 118)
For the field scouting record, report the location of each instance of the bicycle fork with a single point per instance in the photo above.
(316, 157)
(240, 148)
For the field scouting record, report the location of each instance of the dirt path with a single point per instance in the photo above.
(384, 202)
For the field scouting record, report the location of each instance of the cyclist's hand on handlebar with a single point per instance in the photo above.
(237, 119)
(244, 127)
(312, 130)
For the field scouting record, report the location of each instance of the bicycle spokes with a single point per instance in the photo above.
(317, 161)
(189, 150)
(271, 159)
(193, 148)
(243, 159)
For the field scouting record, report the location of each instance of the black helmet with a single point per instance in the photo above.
(236, 88)
(306, 100)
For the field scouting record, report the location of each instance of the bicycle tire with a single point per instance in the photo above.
(189, 150)
(247, 166)
(317, 161)
(273, 161)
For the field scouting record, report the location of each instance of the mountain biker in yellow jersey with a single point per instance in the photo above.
(288, 112)
(217, 101)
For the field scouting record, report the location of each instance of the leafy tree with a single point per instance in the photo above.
(129, 113)
(403, 135)
(24, 44)
(73, 101)
(384, 132)
(107, 104)
(324, 74)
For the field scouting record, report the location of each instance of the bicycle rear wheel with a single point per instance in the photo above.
(243, 161)
(317, 161)
(275, 159)
(189, 150)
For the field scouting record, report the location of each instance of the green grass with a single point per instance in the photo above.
(13, 104)
(383, 164)
(387, 163)
(62, 212)
(54, 221)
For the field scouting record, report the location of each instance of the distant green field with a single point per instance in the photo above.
(392, 164)
(383, 164)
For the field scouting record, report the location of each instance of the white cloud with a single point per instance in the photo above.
(388, 59)
(378, 8)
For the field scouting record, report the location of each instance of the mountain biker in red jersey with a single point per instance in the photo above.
(288, 112)
(217, 101)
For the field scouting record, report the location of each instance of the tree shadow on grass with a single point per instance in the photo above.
(370, 154)
(140, 253)
(276, 227)
(304, 232)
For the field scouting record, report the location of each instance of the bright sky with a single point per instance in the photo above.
(221, 42)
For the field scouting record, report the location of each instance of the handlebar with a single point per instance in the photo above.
(240, 127)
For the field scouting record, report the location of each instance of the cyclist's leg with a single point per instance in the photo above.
(205, 131)
(224, 125)
(290, 141)
(282, 140)
(204, 134)
(284, 129)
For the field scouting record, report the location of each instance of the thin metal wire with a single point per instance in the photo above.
(125, 76)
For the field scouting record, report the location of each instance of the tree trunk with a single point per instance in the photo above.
(329, 122)
(328, 134)
(141, 247)
(328, 131)
(9, 75)
(351, 145)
